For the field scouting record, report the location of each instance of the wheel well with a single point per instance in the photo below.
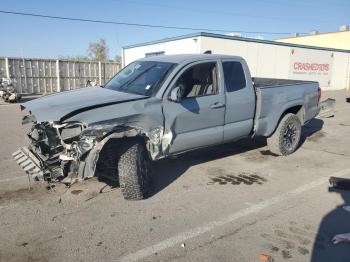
(296, 110)
(106, 165)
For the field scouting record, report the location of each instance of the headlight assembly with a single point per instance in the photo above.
(71, 131)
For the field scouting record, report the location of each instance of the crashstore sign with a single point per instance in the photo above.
(311, 65)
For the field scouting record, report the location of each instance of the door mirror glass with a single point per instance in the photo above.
(177, 93)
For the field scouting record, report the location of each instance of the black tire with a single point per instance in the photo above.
(134, 170)
(285, 139)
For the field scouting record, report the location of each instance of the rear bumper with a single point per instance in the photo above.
(326, 108)
(29, 162)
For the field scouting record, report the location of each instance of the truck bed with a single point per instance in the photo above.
(274, 96)
(273, 82)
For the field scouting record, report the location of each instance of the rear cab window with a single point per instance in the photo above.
(234, 76)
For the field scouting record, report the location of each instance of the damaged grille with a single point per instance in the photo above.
(29, 162)
(46, 144)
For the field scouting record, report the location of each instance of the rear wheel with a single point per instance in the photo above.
(285, 139)
(134, 170)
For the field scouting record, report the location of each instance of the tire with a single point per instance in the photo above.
(285, 139)
(134, 170)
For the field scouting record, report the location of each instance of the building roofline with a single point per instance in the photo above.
(312, 35)
(163, 40)
(237, 38)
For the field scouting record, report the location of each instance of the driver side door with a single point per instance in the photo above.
(196, 120)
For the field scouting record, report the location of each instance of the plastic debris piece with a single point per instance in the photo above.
(327, 108)
(264, 257)
(183, 245)
(341, 238)
(346, 208)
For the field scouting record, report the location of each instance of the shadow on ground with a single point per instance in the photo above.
(335, 222)
(168, 170)
(310, 128)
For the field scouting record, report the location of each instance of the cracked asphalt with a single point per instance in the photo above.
(229, 203)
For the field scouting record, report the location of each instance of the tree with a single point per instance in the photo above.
(98, 50)
(118, 59)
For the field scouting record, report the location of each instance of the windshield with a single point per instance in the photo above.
(140, 77)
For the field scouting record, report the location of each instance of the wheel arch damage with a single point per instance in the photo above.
(156, 142)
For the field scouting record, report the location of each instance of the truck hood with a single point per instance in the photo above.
(59, 106)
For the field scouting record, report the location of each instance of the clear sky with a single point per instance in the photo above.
(47, 38)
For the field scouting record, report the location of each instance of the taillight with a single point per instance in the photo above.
(319, 93)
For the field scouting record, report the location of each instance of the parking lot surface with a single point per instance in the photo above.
(228, 203)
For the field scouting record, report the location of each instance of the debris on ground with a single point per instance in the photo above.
(264, 257)
(327, 108)
(340, 183)
(183, 245)
(341, 238)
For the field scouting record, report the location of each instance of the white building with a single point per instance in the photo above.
(330, 67)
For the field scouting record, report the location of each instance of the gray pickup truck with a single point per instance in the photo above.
(158, 107)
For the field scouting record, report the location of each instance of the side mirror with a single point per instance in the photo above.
(177, 93)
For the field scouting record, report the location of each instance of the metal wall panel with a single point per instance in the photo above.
(39, 76)
(2, 68)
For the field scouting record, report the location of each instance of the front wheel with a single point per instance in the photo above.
(134, 170)
(285, 139)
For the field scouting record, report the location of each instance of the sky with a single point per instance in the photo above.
(23, 36)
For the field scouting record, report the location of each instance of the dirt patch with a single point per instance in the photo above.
(286, 254)
(35, 192)
(267, 153)
(258, 156)
(317, 136)
(292, 240)
(224, 178)
(76, 192)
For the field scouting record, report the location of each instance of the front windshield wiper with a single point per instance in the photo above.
(125, 85)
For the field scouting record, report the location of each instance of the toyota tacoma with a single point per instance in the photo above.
(158, 107)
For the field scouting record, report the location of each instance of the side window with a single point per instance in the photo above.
(234, 76)
(199, 80)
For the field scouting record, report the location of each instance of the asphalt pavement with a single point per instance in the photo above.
(234, 202)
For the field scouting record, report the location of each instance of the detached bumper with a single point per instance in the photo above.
(29, 162)
(327, 107)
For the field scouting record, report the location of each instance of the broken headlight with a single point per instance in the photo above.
(70, 132)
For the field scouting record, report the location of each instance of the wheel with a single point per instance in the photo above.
(285, 139)
(134, 170)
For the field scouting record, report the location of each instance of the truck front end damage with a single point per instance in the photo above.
(67, 152)
(54, 150)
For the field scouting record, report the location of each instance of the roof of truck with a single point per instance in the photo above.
(187, 57)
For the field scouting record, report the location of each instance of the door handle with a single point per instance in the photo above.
(217, 105)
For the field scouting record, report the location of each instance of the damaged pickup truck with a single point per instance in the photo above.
(158, 107)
